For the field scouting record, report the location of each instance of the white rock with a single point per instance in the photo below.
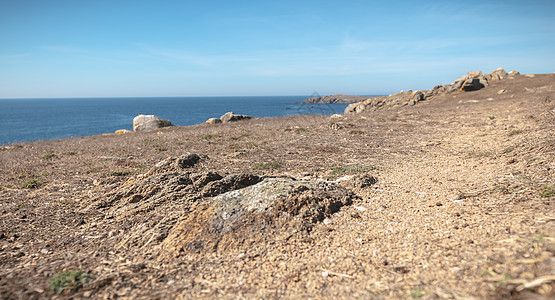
(149, 122)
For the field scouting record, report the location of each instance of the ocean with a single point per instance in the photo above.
(26, 120)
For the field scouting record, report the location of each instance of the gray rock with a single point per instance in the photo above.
(310, 201)
(149, 122)
(232, 117)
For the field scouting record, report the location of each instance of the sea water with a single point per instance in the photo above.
(25, 120)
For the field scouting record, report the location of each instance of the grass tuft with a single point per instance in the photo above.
(508, 150)
(72, 279)
(266, 166)
(515, 131)
(547, 190)
(31, 183)
(47, 155)
(209, 136)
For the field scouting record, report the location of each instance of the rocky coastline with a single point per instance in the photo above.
(444, 195)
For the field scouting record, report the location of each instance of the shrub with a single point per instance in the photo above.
(62, 280)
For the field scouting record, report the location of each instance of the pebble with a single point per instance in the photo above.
(44, 251)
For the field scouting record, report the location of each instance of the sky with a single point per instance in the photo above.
(117, 48)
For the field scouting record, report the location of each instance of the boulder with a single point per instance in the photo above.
(213, 121)
(417, 97)
(232, 117)
(471, 84)
(149, 122)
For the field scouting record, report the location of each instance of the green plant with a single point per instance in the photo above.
(64, 279)
(300, 130)
(160, 148)
(417, 294)
(266, 165)
(491, 117)
(485, 273)
(31, 183)
(209, 136)
(119, 173)
(47, 155)
(70, 153)
(508, 150)
(547, 190)
(234, 147)
(252, 145)
(515, 131)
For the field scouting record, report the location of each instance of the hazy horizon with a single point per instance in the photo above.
(109, 49)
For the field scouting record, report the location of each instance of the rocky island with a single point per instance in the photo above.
(440, 194)
(336, 99)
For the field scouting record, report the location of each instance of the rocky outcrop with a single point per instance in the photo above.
(271, 210)
(190, 209)
(470, 82)
(335, 99)
(149, 122)
(232, 117)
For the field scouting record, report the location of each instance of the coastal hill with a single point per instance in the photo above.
(449, 198)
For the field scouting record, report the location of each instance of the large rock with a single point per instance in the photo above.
(149, 122)
(213, 121)
(232, 117)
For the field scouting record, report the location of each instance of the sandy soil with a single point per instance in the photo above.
(462, 207)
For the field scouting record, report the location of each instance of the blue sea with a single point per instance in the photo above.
(25, 120)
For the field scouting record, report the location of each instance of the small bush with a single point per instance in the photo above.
(266, 165)
(74, 279)
(47, 155)
(31, 183)
(300, 130)
(547, 190)
(491, 117)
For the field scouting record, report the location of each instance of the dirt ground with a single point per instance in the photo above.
(462, 207)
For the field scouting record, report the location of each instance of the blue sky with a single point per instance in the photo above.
(216, 48)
